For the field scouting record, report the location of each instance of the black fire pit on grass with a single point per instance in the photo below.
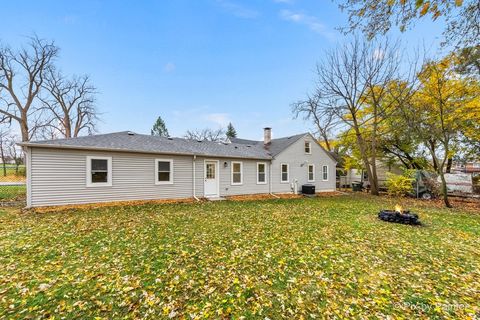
(404, 217)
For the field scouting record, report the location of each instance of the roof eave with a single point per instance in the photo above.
(54, 146)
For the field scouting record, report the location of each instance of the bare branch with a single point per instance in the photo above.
(216, 135)
(71, 103)
(22, 75)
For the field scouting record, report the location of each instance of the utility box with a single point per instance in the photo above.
(356, 186)
(308, 189)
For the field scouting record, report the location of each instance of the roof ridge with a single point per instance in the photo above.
(292, 136)
(285, 137)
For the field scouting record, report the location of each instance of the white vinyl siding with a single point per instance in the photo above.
(249, 186)
(311, 173)
(261, 172)
(58, 177)
(297, 160)
(164, 171)
(284, 167)
(237, 173)
(99, 171)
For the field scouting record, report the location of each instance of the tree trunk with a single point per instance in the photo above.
(374, 186)
(449, 165)
(440, 167)
(444, 190)
(24, 128)
(374, 183)
(374, 178)
(67, 125)
(434, 159)
(366, 163)
(3, 162)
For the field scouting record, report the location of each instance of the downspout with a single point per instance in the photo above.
(270, 181)
(28, 158)
(194, 181)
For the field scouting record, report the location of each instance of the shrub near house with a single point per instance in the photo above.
(399, 185)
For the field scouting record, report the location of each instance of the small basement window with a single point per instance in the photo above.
(308, 147)
(284, 172)
(237, 173)
(163, 171)
(311, 173)
(261, 173)
(99, 171)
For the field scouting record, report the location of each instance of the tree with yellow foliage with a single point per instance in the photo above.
(445, 106)
(461, 18)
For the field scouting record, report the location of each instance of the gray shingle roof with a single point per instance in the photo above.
(243, 141)
(133, 142)
(276, 146)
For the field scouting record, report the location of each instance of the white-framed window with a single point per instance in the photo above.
(237, 173)
(308, 147)
(261, 173)
(325, 173)
(99, 171)
(163, 171)
(284, 172)
(311, 173)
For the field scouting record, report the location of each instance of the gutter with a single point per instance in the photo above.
(28, 153)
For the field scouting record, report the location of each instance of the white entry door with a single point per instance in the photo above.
(211, 179)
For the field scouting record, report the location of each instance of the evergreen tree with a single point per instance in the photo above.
(231, 132)
(159, 128)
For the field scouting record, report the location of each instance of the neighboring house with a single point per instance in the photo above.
(468, 167)
(346, 177)
(129, 166)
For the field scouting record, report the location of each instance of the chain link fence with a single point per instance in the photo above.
(12, 183)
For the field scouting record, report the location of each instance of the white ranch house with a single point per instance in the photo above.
(129, 166)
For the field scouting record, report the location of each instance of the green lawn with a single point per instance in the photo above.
(11, 193)
(11, 170)
(299, 258)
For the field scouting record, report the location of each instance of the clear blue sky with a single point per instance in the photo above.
(196, 63)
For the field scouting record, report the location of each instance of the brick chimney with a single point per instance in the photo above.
(267, 136)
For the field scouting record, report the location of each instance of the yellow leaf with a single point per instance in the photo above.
(425, 8)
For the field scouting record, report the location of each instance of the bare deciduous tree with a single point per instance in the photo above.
(314, 109)
(70, 104)
(216, 135)
(442, 106)
(350, 79)
(22, 75)
(4, 134)
(15, 152)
